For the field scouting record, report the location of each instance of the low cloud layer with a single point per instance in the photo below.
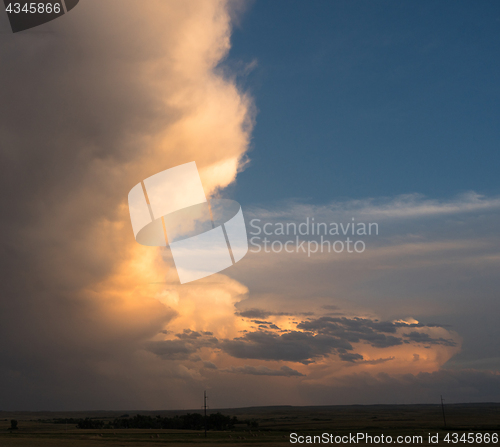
(292, 346)
(284, 371)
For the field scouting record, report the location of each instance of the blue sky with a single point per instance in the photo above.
(370, 99)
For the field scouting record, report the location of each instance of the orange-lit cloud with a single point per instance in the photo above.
(123, 90)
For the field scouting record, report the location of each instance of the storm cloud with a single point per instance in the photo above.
(93, 103)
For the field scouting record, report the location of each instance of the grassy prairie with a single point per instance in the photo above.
(274, 426)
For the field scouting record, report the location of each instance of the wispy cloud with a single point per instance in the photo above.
(403, 206)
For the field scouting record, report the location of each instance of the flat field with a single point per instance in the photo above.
(275, 425)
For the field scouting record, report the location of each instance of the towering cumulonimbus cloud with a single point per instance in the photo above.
(92, 103)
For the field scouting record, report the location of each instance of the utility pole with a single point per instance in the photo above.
(442, 407)
(205, 407)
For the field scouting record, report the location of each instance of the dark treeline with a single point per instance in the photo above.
(190, 421)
